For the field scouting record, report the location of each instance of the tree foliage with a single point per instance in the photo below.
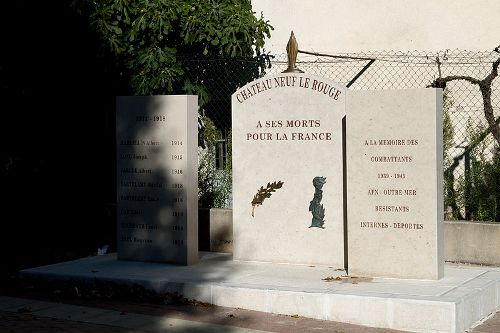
(479, 189)
(199, 47)
(150, 38)
(475, 194)
(480, 186)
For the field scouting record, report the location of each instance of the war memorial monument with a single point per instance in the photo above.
(337, 207)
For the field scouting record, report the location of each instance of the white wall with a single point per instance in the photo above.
(375, 25)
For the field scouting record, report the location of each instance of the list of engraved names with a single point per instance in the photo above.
(150, 178)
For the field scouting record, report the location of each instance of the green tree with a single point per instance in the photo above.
(481, 176)
(481, 195)
(451, 206)
(186, 47)
(152, 38)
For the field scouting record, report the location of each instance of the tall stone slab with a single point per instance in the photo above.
(157, 202)
(288, 170)
(395, 193)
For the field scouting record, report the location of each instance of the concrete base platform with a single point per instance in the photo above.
(459, 301)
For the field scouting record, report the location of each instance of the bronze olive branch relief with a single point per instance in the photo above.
(264, 193)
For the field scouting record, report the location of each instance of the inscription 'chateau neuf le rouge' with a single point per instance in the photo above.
(288, 81)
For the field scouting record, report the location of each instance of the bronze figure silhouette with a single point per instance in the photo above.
(292, 48)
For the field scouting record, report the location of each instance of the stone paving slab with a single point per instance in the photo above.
(464, 297)
(140, 322)
(99, 316)
(134, 319)
(11, 322)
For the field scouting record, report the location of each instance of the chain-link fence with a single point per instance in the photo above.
(464, 113)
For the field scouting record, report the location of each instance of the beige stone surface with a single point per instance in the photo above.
(472, 242)
(394, 169)
(221, 230)
(288, 128)
(461, 300)
(157, 202)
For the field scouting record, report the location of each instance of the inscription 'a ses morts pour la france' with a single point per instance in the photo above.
(156, 178)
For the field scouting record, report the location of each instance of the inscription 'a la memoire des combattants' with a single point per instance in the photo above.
(288, 81)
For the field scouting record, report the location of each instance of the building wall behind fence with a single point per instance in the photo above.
(393, 70)
(362, 25)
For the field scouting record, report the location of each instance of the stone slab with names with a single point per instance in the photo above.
(288, 170)
(157, 202)
(395, 193)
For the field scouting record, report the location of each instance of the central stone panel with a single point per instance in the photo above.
(288, 170)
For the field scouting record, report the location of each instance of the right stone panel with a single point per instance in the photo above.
(394, 183)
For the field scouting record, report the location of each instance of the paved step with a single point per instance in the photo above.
(459, 301)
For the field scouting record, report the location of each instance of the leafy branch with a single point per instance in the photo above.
(264, 193)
